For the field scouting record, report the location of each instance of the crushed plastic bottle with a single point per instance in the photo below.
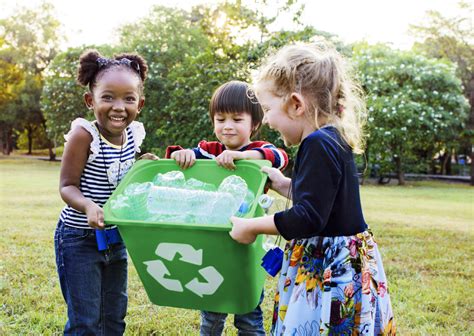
(234, 185)
(173, 178)
(170, 198)
(195, 184)
(203, 206)
(133, 203)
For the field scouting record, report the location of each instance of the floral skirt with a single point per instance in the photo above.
(333, 286)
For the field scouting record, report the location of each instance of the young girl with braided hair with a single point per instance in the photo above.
(332, 281)
(97, 154)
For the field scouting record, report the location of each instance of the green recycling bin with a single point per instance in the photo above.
(195, 266)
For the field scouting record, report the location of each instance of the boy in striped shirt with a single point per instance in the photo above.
(236, 116)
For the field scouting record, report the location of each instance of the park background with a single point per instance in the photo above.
(419, 99)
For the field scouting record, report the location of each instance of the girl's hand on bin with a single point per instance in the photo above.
(279, 182)
(95, 215)
(241, 231)
(148, 156)
(185, 158)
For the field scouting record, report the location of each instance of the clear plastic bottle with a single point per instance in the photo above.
(171, 198)
(133, 203)
(174, 178)
(203, 206)
(234, 185)
(195, 184)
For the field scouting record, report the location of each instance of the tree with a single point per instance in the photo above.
(453, 38)
(415, 106)
(11, 85)
(189, 53)
(165, 38)
(30, 40)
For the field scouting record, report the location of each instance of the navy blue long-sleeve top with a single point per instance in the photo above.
(325, 190)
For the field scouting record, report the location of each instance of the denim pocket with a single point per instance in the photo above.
(71, 235)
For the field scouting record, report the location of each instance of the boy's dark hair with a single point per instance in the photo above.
(236, 97)
(92, 63)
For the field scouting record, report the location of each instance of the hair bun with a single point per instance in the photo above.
(138, 60)
(88, 66)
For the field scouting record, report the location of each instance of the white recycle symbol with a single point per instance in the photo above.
(158, 270)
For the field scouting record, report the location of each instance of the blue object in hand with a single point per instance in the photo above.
(243, 209)
(106, 237)
(272, 261)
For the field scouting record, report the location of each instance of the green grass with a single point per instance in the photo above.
(424, 231)
(39, 152)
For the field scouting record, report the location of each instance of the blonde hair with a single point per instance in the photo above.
(320, 74)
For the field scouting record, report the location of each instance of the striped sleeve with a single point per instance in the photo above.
(276, 156)
(208, 150)
(171, 149)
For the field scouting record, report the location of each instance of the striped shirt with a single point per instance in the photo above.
(101, 175)
(212, 149)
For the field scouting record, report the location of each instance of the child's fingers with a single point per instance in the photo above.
(227, 162)
(269, 171)
(189, 159)
(180, 159)
(184, 161)
(148, 156)
(100, 219)
(220, 161)
(266, 170)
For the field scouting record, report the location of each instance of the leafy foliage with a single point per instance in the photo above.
(415, 103)
(29, 42)
(415, 106)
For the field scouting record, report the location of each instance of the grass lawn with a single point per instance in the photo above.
(424, 230)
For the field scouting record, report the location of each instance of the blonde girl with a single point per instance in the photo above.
(332, 280)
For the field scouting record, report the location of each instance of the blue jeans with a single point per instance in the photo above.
(93, 283)
(249, 324)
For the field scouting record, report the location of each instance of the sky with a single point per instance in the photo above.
(96, 21)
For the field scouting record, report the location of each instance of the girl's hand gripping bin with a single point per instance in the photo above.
(195, 266)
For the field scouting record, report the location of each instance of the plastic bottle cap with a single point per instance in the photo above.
(265, 201)
(244, 208)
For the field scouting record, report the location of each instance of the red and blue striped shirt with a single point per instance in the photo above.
(212, 149)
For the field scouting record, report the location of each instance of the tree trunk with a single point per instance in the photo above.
(448, 162)
(446, 157)
(400, 173)
(432, 167)
(51, 145)
(29, 131)
(52, 151)
(7, 141)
